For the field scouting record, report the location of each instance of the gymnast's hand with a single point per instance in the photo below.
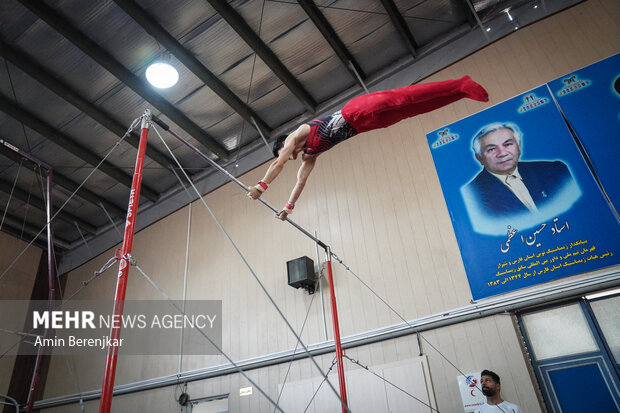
(253, 192)
(282, 215)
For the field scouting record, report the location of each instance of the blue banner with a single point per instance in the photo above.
(524, 205)
(590, 100)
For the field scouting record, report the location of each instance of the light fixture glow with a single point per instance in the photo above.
(162, 75)
(488, 29)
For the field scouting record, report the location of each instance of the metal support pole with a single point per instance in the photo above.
(51, 295)
(123, 269)
(332, 293)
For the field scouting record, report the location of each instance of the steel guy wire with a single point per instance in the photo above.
(27, 205)
(319, 387)
(389, 382)
(167, 297)
(399, 316)
(247, 264)
(295, 350)
(96, 274)
(118, 142)
(8, 202)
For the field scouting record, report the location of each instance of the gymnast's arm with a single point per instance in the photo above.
(293, 143)
(307, 164)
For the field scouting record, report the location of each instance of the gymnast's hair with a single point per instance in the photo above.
(278, 144)
(475, 143)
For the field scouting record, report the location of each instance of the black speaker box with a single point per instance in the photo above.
(301, 273)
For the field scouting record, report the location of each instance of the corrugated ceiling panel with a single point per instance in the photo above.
(179, 17)
(430, 19)
(217, 46)
(92, 135)
(112, 29)
(255, 77)
(304, 51)
(203, 106)
(20, 210)
(119, 195)
(98, 182)
(366, 30)
(221, 50)
(14, 20)
(228, 128)
(64, 60)
(13, 132)
(42, 103)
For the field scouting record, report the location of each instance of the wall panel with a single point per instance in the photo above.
(16, 284)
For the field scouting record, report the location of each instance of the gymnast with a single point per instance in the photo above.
(361, 114)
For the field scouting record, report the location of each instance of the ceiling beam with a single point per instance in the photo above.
(401, 26)
(139, 86)
(264, 52)
(38, 203)
(13, 231)
(69, 185)
(332, 38)
(87, 195)
(47, 79)
(18, 113)
(150, 25)
(465, 7)
(18, 226)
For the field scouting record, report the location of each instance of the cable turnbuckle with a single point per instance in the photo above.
(131, 260)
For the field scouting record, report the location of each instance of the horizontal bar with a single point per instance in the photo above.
(233, 178)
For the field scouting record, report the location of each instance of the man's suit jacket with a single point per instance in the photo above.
(543, 179)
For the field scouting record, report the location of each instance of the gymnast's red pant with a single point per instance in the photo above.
(382, 109)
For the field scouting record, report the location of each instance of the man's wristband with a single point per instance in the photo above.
(288, 208)
(261, 186)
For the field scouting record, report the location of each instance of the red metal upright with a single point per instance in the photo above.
(123, 270)
(332, 294)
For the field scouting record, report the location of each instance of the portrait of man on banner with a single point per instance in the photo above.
(510, 189)
(525, 206)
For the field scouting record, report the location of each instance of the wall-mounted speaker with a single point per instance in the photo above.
(301, 274)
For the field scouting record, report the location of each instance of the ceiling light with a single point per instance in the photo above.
(488, 29)
(162, 75)
(508, 13)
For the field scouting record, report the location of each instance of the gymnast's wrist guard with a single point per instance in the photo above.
(288, 208)
(261, 186)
